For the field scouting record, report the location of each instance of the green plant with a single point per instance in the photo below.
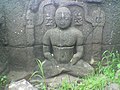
(65, 85)
(93, 82)
(40, 74)
(111, 66)
(3, 81)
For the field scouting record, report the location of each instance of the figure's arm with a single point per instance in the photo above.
(46, 46)
(79, 49)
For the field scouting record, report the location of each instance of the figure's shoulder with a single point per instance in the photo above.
(52, 30)
(76, 31)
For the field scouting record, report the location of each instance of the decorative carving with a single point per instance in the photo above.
(29, 19)
(29, 28)
(63, 49)
(48, 20)
(98, 21)
(78, 20)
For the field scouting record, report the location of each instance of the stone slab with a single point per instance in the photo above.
(21, 58)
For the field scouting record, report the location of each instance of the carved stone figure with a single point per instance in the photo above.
(98, 22)
(63, 49)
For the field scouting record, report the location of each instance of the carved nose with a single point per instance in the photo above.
(62, 15)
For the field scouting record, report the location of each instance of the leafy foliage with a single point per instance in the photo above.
(3, 81)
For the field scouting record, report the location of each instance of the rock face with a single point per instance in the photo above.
(112, 86)
(3, 50)
(21, 85)
(27, 21)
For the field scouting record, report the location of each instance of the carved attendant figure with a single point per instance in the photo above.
(63, 48)
(98, 22)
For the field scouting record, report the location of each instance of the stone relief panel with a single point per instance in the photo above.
(90, 24)
(35, 17)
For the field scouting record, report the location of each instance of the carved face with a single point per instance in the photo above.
(63, 17)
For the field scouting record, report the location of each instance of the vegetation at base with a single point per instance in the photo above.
(105, 73)
(3, 81)
(40, 74)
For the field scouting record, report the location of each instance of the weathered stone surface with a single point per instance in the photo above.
(39, 33)
(93, 0)
(96, 52)
(111, 48)
(113, 86)
(21, 85)
(38, 52)
(4, 57)
(15, 20)
(112, 24)
(3, 50)
(87, 52)
(21, 58)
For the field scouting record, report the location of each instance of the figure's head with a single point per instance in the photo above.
(63, 17)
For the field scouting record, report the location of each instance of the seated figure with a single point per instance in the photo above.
(63, 48)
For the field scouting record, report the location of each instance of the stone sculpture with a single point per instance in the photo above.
(63, 48)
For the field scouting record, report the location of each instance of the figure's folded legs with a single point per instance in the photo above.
(81, 69)
(51, 69)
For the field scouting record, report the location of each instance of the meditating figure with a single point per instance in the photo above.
(63, 48)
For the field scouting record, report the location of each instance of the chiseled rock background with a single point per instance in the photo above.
(21, 55)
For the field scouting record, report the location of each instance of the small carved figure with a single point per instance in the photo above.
(63, 49)
(98, 22)
(49, 20)
(78, 20)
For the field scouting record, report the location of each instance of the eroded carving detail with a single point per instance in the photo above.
(98, 17)
(78, 20)
(29, 28)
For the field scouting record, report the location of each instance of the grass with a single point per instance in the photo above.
(105, 73)
(40, 74)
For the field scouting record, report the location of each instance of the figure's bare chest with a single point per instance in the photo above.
(61, 38)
